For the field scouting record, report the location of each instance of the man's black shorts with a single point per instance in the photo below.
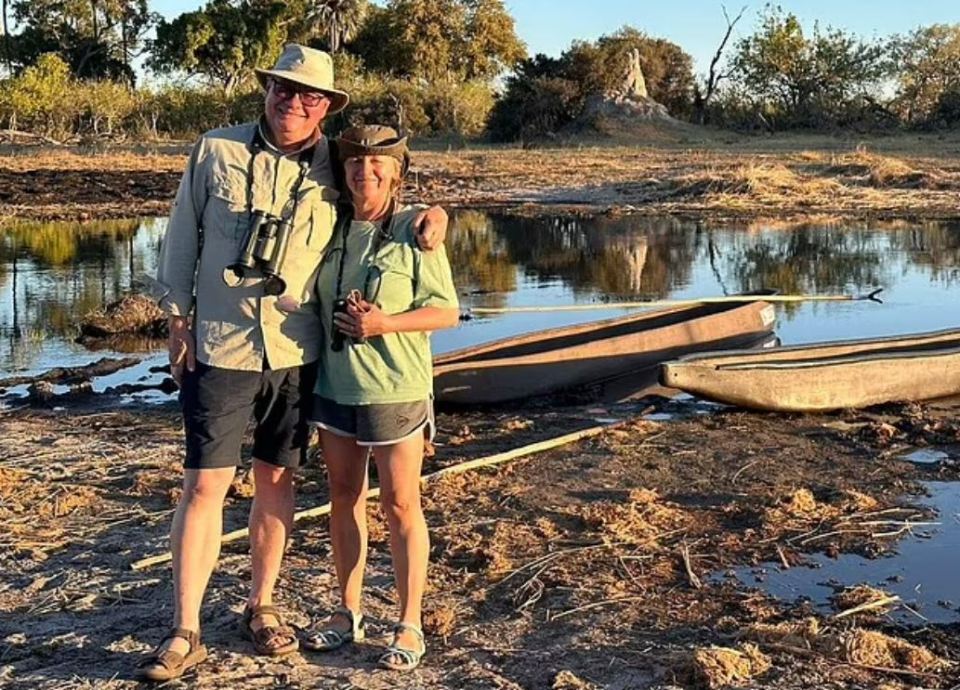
(217, 406)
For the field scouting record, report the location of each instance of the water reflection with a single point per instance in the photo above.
(53, 273)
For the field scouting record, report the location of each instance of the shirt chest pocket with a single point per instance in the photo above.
(317, 204)
(225, 215)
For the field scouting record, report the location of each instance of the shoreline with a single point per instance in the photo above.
(795, 178)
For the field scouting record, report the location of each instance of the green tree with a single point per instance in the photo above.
(222, 42)
(927, 72)
(491, 44)
(97, 38)
(431, 39)
(538, 101)
(106, 104)
(808, 81)
(5, 36)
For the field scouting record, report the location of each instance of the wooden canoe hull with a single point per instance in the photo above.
(829, 376)
(559, 359)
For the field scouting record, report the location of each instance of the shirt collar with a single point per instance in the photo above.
(264, 131)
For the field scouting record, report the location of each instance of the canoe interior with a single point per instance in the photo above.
(584, 334)
(841, 352)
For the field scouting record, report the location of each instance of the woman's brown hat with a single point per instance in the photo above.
(374, 140)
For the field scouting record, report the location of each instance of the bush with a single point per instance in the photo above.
(458, 108)
(42, 98)
(105, 104)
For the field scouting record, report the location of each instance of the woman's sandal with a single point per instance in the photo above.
(398, 658)
(329, 638)
(166, 665)
(269, 640)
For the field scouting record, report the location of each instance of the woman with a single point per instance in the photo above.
(380, 297)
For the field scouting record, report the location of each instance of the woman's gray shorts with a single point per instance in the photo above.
(375, 425)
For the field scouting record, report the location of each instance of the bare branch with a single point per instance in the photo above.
(714, 77)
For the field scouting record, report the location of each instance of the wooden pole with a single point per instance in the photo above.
(871, 297)
(460, 468)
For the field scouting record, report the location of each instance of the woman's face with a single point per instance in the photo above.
(371, 178)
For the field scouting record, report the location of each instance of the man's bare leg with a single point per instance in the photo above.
(271, 519)
(195, 542)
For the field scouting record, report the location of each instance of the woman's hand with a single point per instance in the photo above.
(363, 320)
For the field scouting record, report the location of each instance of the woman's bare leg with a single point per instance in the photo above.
(347, 475)
(398, 468)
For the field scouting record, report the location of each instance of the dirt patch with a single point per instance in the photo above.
(802, 633)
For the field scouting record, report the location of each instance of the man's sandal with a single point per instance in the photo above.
(399, 658)
(328, 638)
(269, 640)
(166, 665)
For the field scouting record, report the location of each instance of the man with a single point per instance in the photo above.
(252, 344)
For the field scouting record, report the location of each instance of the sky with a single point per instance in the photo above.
(549, 26)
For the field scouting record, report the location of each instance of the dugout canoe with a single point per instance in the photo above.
(553, 360)
(827, 376)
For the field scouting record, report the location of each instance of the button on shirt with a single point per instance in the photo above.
(241, 327)
(398, 277)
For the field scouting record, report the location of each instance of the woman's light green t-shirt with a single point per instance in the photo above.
(396, 275)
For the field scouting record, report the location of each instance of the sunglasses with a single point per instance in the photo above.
(286, 91)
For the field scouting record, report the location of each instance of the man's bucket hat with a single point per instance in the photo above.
(374, 140)
(308, 67)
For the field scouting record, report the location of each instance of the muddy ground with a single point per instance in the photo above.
(711, 174)
(595, 565)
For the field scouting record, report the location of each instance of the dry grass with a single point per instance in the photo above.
(134, 314)
(714, 173)
(875, 170)
(760, 181)
(640, 520)
(719, 667)
(861, 595)
(872, 648)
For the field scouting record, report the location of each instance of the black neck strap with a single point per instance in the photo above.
(344, 220)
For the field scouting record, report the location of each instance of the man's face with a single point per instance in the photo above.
(293, 111)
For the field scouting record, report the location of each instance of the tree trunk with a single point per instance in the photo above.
(6, 40)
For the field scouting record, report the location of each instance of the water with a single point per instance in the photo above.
(51, 274)
(920, 572)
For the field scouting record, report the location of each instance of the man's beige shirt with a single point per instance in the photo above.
(239, 327)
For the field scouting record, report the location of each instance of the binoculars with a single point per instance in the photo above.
(263, 251)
